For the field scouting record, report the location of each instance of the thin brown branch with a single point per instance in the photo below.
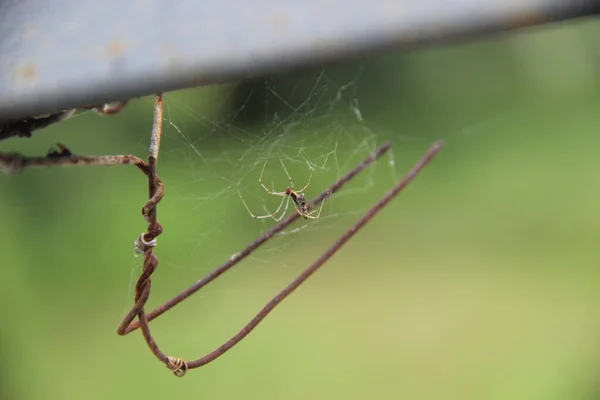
(179, 366)
(13, 163)
(23, 127)
(108, 108)
(319, 262)
(62, 156)
(147, 241)
(257, 243)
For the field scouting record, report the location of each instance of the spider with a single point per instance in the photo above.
(297, 197)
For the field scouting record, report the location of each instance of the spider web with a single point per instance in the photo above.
(320, 123)
(453, 275)
(216, 142)
(319, 135)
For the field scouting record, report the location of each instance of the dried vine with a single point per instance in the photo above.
(62, 156)
(23, 127)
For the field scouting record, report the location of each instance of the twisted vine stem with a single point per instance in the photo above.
(146, 242)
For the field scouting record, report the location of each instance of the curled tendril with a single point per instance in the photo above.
(178, 366)
(141, 244)
(62, 156)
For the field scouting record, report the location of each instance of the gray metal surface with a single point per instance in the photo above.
(69, 53)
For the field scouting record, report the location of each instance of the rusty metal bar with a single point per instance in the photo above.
(67, 53)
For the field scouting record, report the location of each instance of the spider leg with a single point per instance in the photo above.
(263, 185)
(280, 204)
(250, 212)
(299, 212)
(292, 183)
(313, 211)
(304, 188)
(288, 174)
(277, 219)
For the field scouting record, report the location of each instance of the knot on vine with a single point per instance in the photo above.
(147, 240)
(178, 366)
(11, 163)
(141, 245)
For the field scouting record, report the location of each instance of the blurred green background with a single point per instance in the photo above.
(479, 281)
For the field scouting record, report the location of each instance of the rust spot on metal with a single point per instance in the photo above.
(526, 19)
(116, 48)
(27, 72)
